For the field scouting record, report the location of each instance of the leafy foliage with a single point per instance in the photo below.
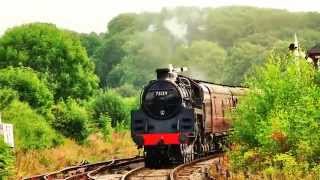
(28, 86)
(217, 44)
(6, 160)
(57, 54)
(91, 42)
(142, 58)
(111, 52)
(127, 90)
(31, 130)
(276, 124)
(6, 97)
(127, 22)
(104, 122)
(71, 119)
(241, 58)
(279, 116)
(111, 104)
(109, 55)
(199, 55)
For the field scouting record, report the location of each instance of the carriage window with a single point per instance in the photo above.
(222, 107)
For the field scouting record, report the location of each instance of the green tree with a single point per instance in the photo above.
(145, 52)
(109, 55)
(205, 59)
(28, 86)
(57, 54)
(91, 42)
(139, 43)
(124, 22)
(112, 51)
(241, 58)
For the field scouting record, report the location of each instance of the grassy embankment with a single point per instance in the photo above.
(70, 153)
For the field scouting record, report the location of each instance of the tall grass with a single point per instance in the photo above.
(70, 153)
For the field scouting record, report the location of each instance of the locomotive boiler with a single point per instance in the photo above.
(181, 118)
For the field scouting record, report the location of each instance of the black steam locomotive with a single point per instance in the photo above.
(181, 118)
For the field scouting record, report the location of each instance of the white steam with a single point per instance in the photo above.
(178, 30)
(197, 73)
(152, 28)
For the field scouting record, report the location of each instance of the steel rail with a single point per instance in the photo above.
(75, 171)
(174, 172)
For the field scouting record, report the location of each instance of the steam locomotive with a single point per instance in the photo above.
(181, 118)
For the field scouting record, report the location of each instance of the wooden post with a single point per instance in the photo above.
(6, 130)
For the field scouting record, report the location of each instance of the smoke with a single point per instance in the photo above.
(152, 28)
(202, 28)
(198, 73)
(178, 30)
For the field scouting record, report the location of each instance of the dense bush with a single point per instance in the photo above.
(57, 54)
(112, 104)
(127, 90)
(30, 129)
(6, 160)
(104, 122)
(277, 123)
(7, 96)
(71, 119)
(28, 87)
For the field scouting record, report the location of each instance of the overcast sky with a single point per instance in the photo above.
(93, 15)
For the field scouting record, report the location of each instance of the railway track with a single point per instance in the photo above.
(82, 171)
(199, 169)
(148, 174)
(133, 169)
(116, 170)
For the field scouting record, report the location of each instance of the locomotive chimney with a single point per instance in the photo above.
(170, 73)
(163, 73)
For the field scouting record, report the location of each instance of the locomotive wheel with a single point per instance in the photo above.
(211, 144)
(220, 142)
(206, 146)
(197, 150)
(183, 153)
(192, 153)
(187, 152)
